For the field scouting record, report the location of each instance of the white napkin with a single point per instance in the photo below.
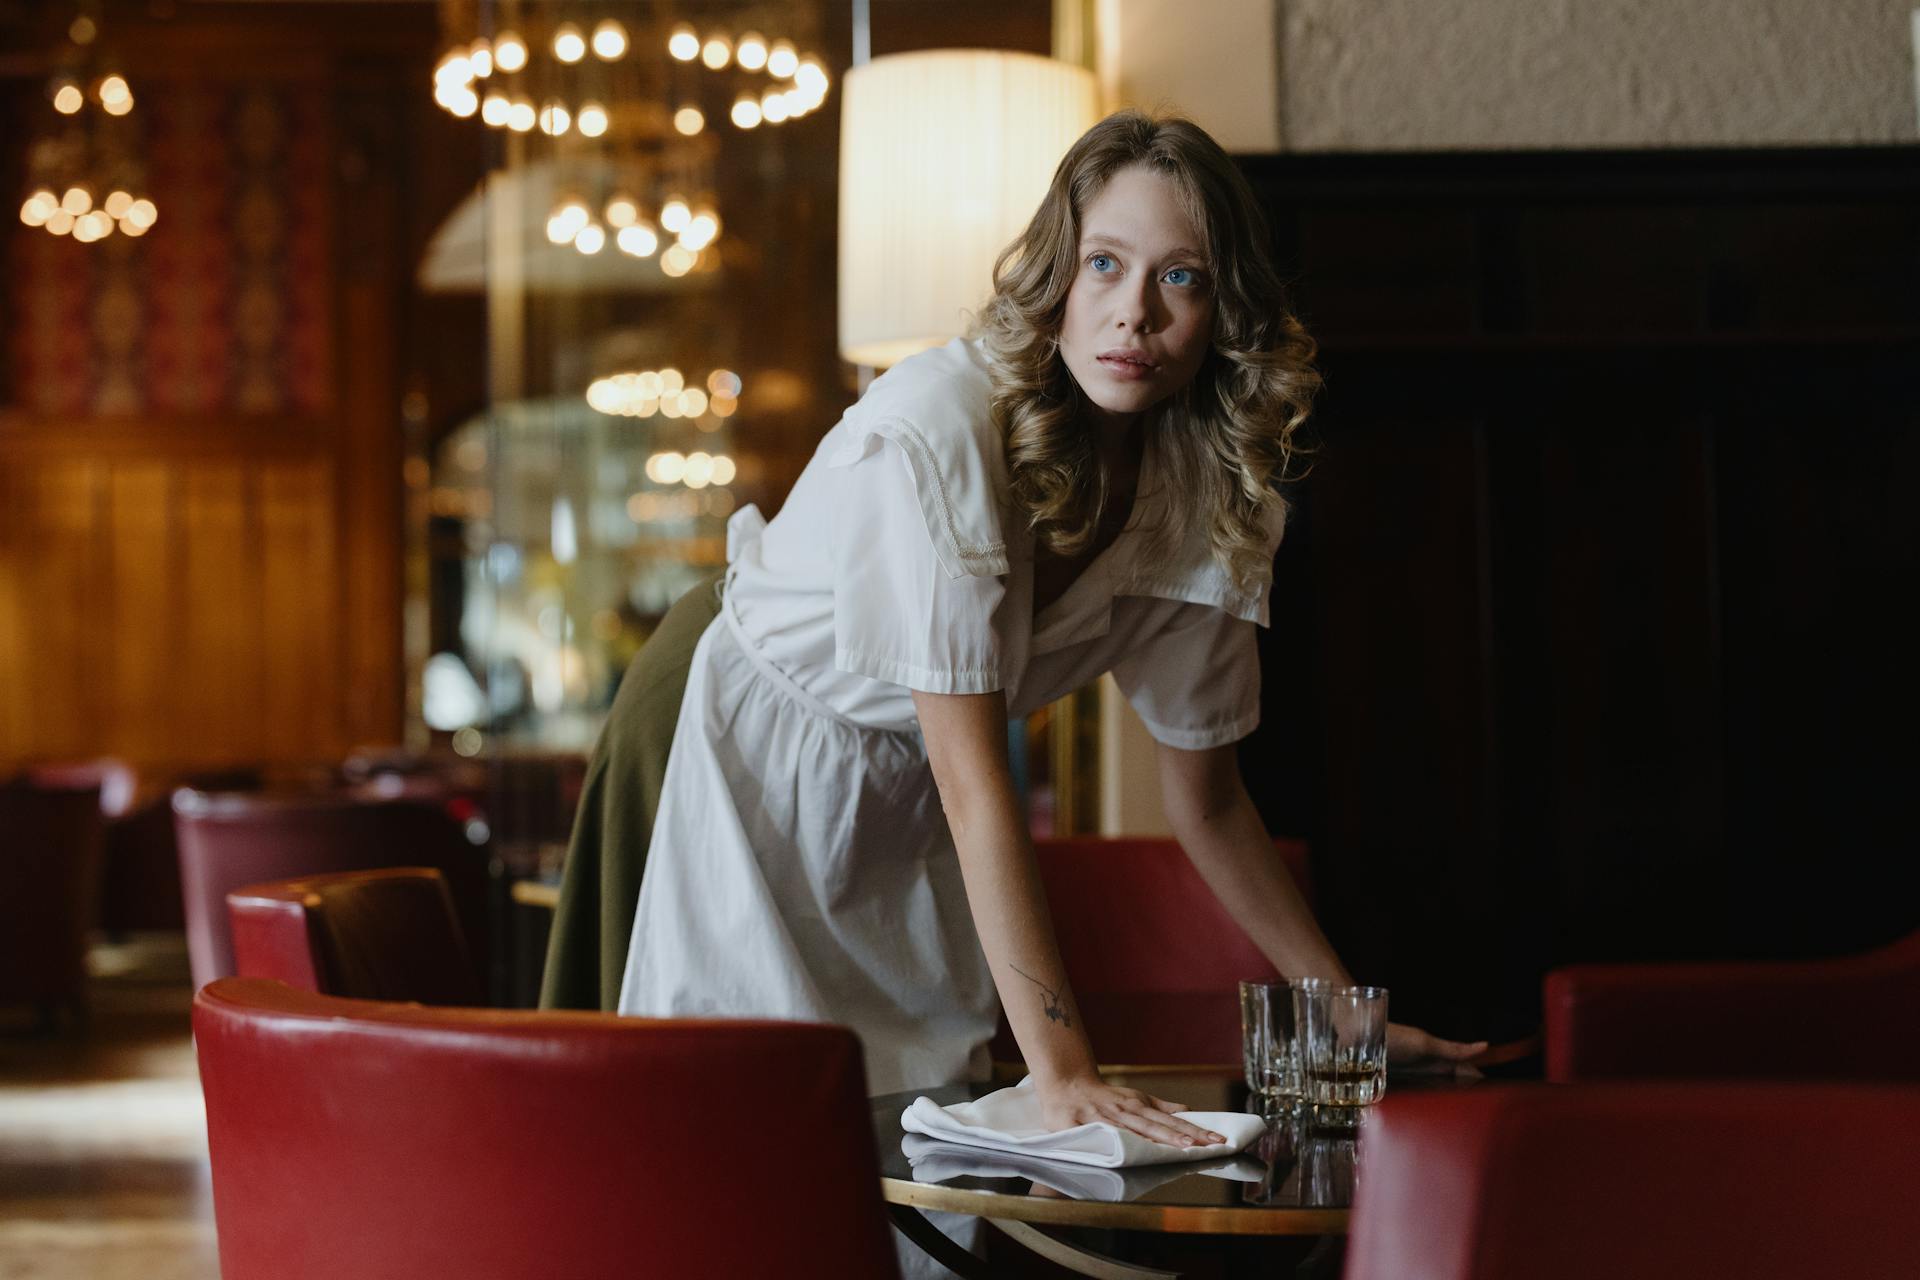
(1009, 1120)
(935, 1161)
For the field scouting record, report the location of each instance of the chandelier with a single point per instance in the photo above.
(83, 176)
(625, 108)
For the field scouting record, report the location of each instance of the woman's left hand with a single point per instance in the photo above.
(1414, 1049)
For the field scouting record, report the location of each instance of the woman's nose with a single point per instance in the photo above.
(1134, 309)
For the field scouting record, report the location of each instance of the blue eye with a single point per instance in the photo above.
(1182, 271)
(1096, 259)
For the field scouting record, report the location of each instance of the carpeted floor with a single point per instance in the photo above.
(103, 1147)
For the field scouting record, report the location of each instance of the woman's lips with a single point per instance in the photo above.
(1125, 370)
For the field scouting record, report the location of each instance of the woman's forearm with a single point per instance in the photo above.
(966, 738)
(1016, 931)
(1223, 835)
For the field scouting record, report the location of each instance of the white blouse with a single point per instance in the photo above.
(895, 565)
(800, 864)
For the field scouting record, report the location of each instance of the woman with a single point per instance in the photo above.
(1082, 485)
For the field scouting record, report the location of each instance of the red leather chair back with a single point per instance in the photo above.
(389, 934)
(1154, 958)
(1597, 1182)
(1133, 915)
(230, 841)
(390, 1142)
(50, 842)
(1851, 1018)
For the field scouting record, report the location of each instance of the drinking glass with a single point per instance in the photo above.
(1266, 1036)
(1343, 1050)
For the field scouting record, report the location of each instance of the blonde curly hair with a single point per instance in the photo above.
(1225, 440)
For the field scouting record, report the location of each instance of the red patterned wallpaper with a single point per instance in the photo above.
(226, 305)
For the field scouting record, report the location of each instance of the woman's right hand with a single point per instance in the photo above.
(1089, 1100)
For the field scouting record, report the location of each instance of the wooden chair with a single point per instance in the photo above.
(386, 1142)
(230, 841)
(388, 934)
(50, 842)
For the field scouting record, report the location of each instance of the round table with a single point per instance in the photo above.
(1297, 1179)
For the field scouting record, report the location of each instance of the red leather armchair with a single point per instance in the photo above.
(1596, 1182)
(390, 1142)
(50, 841)
(1154, 959)
(229, 841)
(389, 934)
(1851, 1018)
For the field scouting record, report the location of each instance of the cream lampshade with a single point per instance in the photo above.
(944, 156)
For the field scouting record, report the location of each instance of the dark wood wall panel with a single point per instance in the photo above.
(1593, 620)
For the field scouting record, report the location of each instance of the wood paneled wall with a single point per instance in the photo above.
(187, 585)
(174, 608)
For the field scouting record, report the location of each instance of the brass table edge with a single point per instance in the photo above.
(1178, 1219)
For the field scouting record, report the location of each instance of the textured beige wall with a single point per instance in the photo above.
(1488, 74)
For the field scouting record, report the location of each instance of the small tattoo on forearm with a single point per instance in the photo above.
(1055, 1013)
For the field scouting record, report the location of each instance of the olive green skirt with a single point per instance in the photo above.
(600, 885)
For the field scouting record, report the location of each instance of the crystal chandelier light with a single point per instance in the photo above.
(638, 95)
(83, 178)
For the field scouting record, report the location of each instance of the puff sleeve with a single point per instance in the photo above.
(1196, 681)
(907, 609)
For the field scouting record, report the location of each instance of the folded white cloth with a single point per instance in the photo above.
(935, 1161)
(1009, 1120)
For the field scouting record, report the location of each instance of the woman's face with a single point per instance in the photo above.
(1140, 308)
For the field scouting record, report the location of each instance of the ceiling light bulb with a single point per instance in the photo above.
(592, 239)
(782, 60)
(142, 213)
(554, 119)
(116, 203)
(674, 215)
(495, 109)
(700, 232)
(131, 229)
(463, 103)
(684, 44)
(78, 200)
(716, 52)
(637, 240)
(33, 213)
(746, 113)
(480, 58)
(68, 99)
(568, 44)
(688, 121)
(509, 52)
(811, 76)
(60, 222)
(592, 119)
(114, 89)
(521, 116)
(622, 212)
(751, 52)
(609, 40)
(723, 469)
(774, 107)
